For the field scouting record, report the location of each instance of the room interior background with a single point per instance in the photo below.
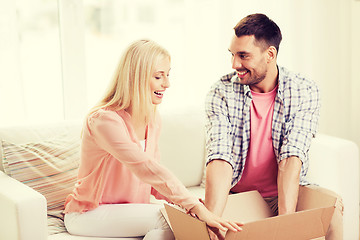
(58, 56)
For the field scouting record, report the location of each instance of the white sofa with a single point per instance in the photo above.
(23, 211)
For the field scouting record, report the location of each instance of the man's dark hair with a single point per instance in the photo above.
(263, 28)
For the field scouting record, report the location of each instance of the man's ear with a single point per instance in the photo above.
(271, 54)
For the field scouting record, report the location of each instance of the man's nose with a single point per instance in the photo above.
(236, 63)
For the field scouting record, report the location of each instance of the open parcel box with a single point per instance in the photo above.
(311, 219)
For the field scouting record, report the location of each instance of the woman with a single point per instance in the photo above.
(119, 165)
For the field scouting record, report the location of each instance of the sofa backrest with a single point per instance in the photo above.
(182, 145)
(35, 133)
(39, 132)
(181, 142)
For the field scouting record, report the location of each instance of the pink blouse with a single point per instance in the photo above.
(114, 168)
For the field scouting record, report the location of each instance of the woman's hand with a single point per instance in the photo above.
(213, 221)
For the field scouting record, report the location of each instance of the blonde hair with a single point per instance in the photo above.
(130, 86)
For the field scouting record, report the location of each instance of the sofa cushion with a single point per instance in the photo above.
(49, 167)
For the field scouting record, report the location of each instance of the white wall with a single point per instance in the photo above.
(355, 73)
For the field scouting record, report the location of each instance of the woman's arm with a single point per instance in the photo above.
(110, 132)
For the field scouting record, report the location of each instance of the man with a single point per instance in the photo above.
(260, 122)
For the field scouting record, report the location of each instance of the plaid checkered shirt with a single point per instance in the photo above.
(294, 123)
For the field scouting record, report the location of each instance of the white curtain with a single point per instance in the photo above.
(41, 61)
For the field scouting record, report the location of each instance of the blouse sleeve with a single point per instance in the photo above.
(111, 133)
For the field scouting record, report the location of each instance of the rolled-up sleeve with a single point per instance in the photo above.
(218, 127)
(302, 125)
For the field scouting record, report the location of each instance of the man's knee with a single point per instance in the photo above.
(339, 205)
(335, 231)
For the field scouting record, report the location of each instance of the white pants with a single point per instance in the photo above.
(120, 220)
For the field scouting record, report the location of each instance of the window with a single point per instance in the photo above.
(30, 76)
(111, 25)
(58, 56)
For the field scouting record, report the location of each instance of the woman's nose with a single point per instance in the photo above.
(166, 82)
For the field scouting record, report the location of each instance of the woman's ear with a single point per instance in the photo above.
(271, 54)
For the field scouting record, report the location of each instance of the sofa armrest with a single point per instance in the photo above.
(23, 211)
(334, 164)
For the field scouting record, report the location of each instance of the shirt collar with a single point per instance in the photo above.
(235, 79)
(281, 80)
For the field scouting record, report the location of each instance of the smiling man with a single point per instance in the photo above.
(260, 122)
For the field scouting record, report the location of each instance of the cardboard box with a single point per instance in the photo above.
(310, 221)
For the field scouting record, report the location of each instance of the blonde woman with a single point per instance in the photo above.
(119, 166)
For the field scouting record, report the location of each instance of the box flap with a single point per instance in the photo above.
(246, 207)
(302, 225)
(186, 227)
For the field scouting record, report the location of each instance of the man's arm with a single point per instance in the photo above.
(218, 184)
(217, 187)
(288, 184)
